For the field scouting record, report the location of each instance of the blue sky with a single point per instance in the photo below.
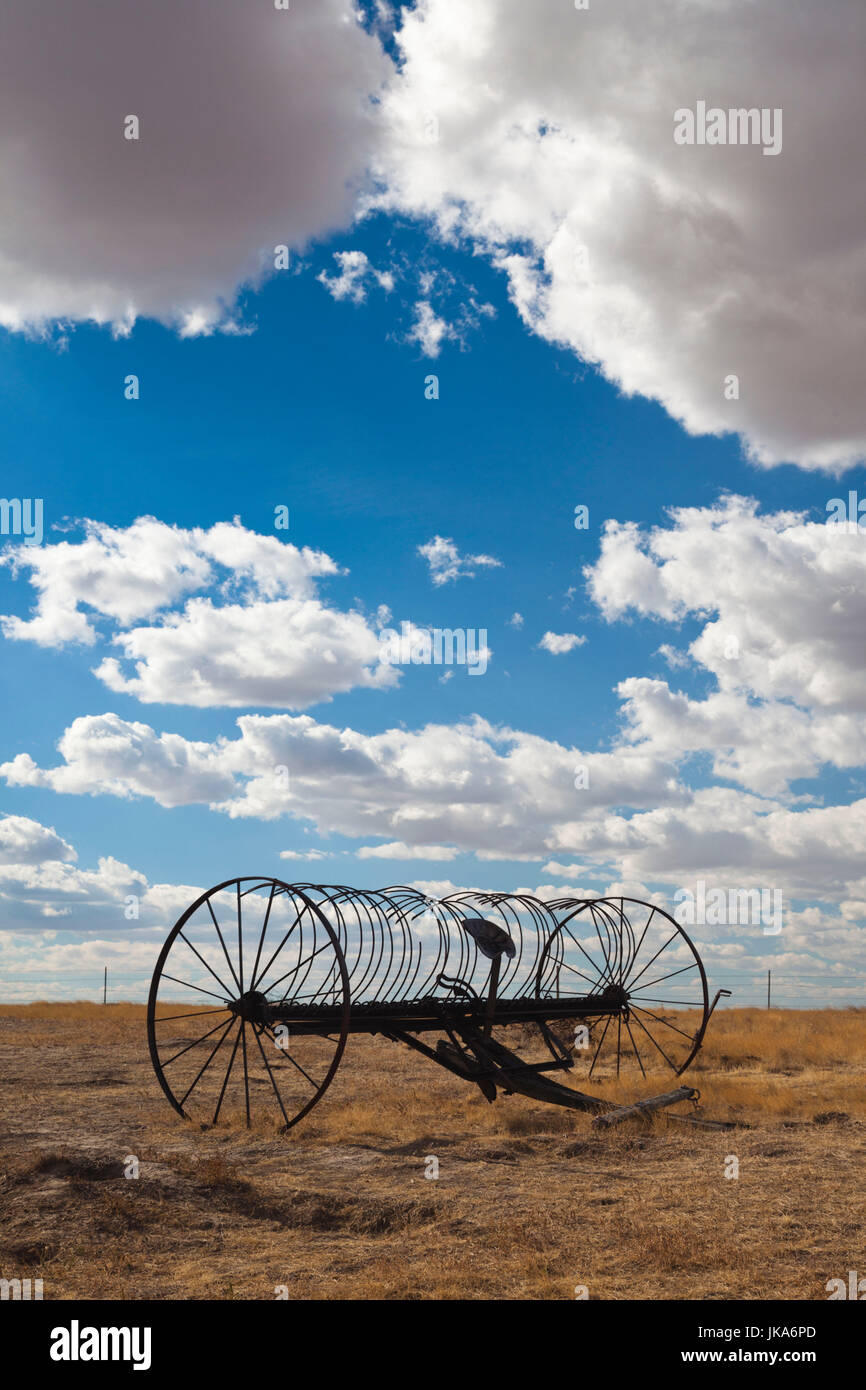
(317, 402)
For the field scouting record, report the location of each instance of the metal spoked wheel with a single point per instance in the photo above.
(639, 963)
(243, 946)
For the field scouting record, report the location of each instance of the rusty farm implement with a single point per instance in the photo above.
(260, 983)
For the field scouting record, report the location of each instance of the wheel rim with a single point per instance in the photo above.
(244, 944)
(635, 955)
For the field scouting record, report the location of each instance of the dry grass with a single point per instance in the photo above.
(530, 1200)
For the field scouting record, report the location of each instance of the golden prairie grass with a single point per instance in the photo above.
(530, 1200)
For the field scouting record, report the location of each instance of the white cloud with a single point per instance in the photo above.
(557, 643)
(671, 267)
(397, 849)
(24, 841)
(783, 599)
(782, 603)
(276, 645)
(516, 620)
(41, 884)
(429, 330)
(447, 564)
(562, 870)
(355, 276)
(104, 754)
(256, 127)
(289, 653)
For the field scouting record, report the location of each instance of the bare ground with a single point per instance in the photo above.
(530, 1202)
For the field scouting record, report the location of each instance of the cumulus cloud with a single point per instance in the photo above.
(473, 785)
(41, 885)
(672, 267)
(557, 643)
(446, 563)
(783, 599)
(256, 128)
(289, 653)
(25, 841)
(541, 137)
(782, 607)
(276, 645)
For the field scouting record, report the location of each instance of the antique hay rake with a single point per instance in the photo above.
(260, 983)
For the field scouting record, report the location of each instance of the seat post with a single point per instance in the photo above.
(491, 993)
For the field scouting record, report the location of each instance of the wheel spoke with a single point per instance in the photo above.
(642, 935)
(634, 1045)
(290, 1058)
(658, 1018)
(601, 1041)
(683, 1003)
(657, 981)
(204, 962)
(223, 944)
(258, 1039)
(241, 948)
(655, 1044)
(277, 951)
(196, 1013)
(634, 981)
(301, 963)
(262, 937)
(191, 1045)
(186, 984)
(246, 1072)
(226, 1077)
(207, 1062)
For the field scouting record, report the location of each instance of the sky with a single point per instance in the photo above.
(421, 315)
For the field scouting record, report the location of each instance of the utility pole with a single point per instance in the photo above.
(768, 989)
(105, 986)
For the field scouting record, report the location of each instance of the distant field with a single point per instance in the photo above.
(530, 1201)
